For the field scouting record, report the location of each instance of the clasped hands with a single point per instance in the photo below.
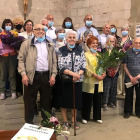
(134, 80)
(99, 77)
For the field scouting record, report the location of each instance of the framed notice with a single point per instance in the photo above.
(31, 132)
(137, 30)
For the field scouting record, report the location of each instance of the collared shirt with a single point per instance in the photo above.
(42, 56)
(81, 31)
(51, 33)
(103, 40)
(133, 64)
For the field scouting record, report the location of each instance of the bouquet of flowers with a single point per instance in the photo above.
(127, 46)
(115, 59)
(52, 122)
(12, 39)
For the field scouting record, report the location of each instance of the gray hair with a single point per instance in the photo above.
(124, 27)
(59, 29)
(106, 24)
(71, 32)
(87, 32)
(43, 20)
(110, 37)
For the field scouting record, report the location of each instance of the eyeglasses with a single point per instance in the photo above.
(38, 29)
(28, 24)
(71, 37)
(88, 18)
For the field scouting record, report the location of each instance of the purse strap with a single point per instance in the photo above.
(73, 62)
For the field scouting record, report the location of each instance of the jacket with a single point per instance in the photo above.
(89, 81)
(28, 57)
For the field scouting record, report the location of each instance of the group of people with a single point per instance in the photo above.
(51, 59)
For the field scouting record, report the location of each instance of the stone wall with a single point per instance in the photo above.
(37, 9)
(135, 16)
(104, 11)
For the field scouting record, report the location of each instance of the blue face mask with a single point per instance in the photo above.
(40, 39)
(8, 28)
(51, 23)
(93, 51)
(124, 33)
(71, 46)
(61, 36)
(113, 30)
(45, 28)
(68, 24)
(88, 23)
(136, 50)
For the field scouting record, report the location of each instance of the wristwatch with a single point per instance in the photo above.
(80, 74)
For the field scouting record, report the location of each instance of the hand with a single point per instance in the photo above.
(133, 80)
(52, 81)
(99, 77)
(25, 79)
(103, 75)
(76, 77)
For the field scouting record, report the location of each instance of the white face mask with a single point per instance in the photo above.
(59, 44)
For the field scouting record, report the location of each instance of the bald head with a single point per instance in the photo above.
(49, 17)
(88, 16)
(106, 29)
(136, 43)
(39, 30)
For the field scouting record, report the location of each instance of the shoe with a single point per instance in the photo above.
(105, 107)
(2, 96)
(111, 105)
(14, 96)
(126, 115)
(99, 121)
(84, 121)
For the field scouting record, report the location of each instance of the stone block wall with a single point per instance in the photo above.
(37, 9)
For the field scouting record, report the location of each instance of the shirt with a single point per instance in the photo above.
(51, 33)
(103, 40)
(81, 31)
(42, 56)
(133, 64)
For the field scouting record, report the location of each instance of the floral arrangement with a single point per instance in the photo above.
(52, 122)
(12, 39)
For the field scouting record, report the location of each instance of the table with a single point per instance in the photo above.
(8, 135)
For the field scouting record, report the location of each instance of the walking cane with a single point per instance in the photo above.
(74, 107)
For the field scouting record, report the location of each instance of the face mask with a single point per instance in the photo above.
(45, 28)
(113, 30)
(51, 23)
(61, 36)
(93, 51)
(136, 50)
(71, 46)
(40, 39)
(124, 33)
(68, 24)
(88, 23)
(8, 28)
(108, 47)
(19, 26)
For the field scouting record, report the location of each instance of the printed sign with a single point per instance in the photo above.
(138, 31)
(31, 132)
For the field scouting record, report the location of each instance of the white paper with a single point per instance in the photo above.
(31, 132)
(129, 84)
(138, 31)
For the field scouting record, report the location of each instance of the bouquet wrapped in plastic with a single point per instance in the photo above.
(12, 39)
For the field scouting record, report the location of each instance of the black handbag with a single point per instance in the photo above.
(65, 77)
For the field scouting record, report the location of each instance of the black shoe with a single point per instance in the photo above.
(126, 115)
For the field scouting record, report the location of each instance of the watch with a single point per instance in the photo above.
(79, 73)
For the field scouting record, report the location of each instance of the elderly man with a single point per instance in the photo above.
(45, 23)
(105, 34)
(51, 28)
(132, 70)
(38, 68)
(88, 24)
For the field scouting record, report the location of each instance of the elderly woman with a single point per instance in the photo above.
(28, 30)
(71, 61)
(87, 34)
(113, 32)
(59, 41)
(18, 24)
(92, 84)
(110, 83)
(67, 24)
(123, 43)
(8, 63)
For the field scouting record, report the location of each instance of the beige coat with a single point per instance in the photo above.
(28, 56)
